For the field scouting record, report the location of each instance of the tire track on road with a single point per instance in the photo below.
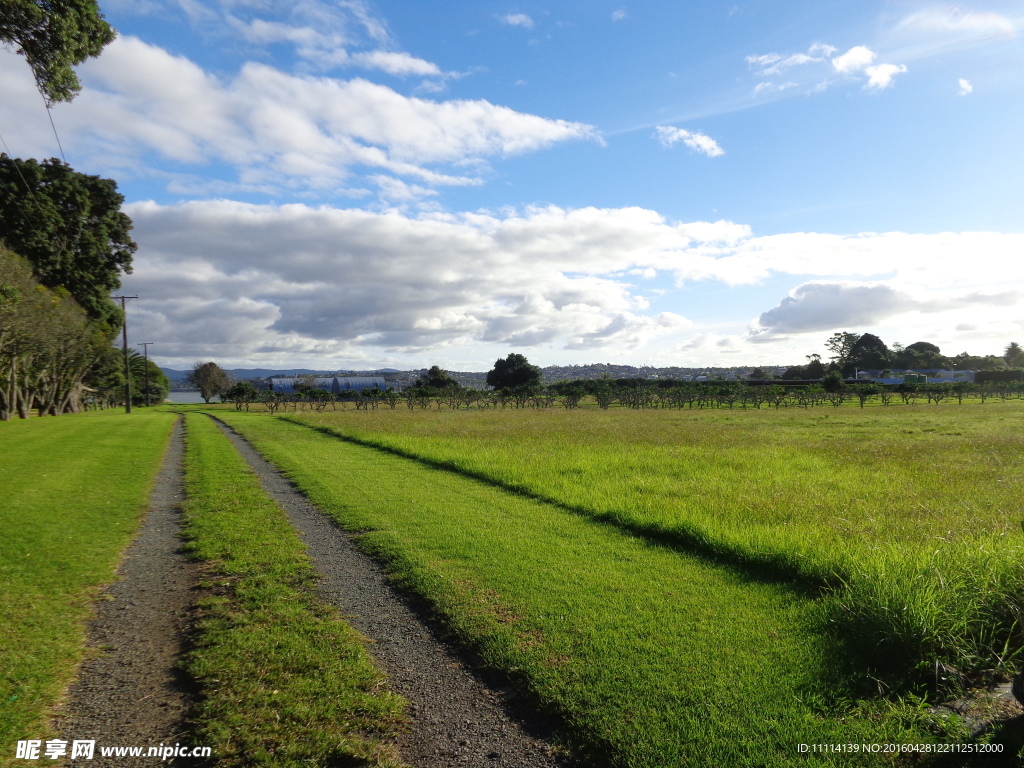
(457, 720)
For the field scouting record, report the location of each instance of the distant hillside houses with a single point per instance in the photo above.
(334, 384)
(931, 375)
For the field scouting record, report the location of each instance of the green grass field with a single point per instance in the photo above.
(74, 488)
(650, 656)
(915, 511)
(284, 681)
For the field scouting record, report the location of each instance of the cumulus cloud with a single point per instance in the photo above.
(276, 128)
(698, 142)
(301, 277)
(818, 306)
(854, 60)
(821, 306)
(517, 20)
(881, 76)
(227, 279)
(964, 86)
(818, 68)
(619, 15)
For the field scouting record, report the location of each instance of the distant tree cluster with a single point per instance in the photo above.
(852, 352)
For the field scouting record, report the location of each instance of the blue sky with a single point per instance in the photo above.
(355, 184)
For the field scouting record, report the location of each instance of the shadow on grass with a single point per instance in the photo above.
(857, 664)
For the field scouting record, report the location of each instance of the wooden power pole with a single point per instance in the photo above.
(127, 368)
(145, 351)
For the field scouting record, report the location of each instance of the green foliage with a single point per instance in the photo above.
(999, 376)
(209, 378)
(868, 351)
(243, 394)
(70, 228)
(435, 379)
(48, 345)
(841, 345)
(833, 382)
(285, 681)
(73, 491)
(149, 383)
(920, 354)
(54, 36)
(1014, 355)
(514, 373)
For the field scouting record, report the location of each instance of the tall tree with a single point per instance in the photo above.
(47, 344)
(1014, 355)
(840, 344)
(514, 373)
(868, 351)
(54, 36)
(71, 229)
(209, 378)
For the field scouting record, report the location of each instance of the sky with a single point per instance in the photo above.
(340, 184)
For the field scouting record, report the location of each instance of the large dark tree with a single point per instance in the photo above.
(868, 351)
(514, 373)
(436, 378)
(840, 344)
(920, 354)
(54, 36)
(70, 228)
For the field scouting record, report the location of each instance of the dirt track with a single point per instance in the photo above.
(457, 719)
(129, 692)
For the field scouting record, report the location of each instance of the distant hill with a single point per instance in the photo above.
(175, 375)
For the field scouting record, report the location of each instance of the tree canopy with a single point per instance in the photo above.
(210, 379)
(514, 373)
(70, 228)
(54, 36)
(436, 378)
(868, 351)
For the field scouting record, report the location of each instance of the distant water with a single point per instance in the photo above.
(188, 397)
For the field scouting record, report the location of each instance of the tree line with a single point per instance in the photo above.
(64, 243)
(852, 352)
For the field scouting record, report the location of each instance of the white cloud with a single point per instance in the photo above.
(965, 86)
(881, 75)
(284, 282)
(823, 306)
(517, 20)
(699, 142)
(619, 15)
(395, 63)
(854, 60)
(275, 128)
(340, 280)
(816, 69)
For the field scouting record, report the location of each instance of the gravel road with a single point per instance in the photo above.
(457, 719)
(128, 692)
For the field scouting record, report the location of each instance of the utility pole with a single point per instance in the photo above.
(145, 350)
(127, 368)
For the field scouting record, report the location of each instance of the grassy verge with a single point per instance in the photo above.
(650, 657)
(284, 680)
(914, 511)
(74, 488)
